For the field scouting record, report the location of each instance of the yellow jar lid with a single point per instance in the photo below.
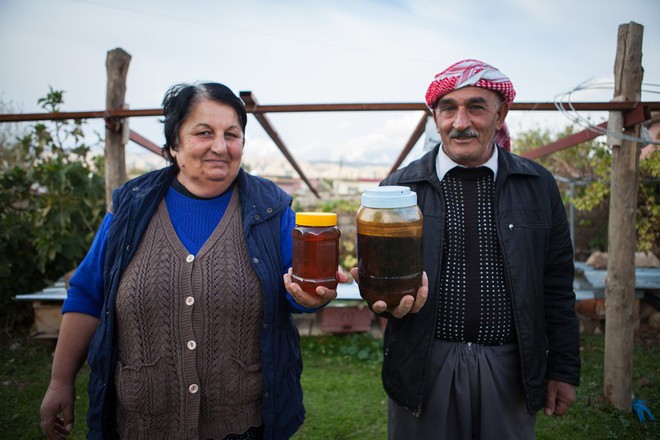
(316, 218)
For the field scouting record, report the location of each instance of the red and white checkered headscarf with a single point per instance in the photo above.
(477, 74)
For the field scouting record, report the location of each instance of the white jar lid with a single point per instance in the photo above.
(389, 197)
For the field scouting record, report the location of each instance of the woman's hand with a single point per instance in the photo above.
(321, 297)
(407, 305)
(76, 330)
(57, 410)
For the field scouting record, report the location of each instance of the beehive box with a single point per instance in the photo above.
(345, 319)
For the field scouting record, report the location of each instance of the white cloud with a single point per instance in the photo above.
(312, 52)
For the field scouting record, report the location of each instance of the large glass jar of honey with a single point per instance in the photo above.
(315, 250)
(389, 248)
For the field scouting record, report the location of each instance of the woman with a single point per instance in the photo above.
(180, 304)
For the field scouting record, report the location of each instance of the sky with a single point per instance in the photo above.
(304, 52)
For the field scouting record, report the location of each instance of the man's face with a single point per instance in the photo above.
(467, 120)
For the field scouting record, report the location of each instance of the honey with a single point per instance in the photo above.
(389, 227)
(315, 250)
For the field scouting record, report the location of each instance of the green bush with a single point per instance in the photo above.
(51, 202)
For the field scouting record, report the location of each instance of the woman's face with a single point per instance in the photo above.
(210, 148)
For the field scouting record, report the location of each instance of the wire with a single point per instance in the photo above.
(562, 101)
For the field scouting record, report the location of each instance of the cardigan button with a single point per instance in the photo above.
(190, 258)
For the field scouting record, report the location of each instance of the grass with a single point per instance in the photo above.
(341, 388)
(591, 417)
(343, 394)
(24, 375)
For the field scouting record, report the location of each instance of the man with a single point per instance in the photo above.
(497, 338)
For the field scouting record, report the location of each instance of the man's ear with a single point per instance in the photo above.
(435, 120)
(502, 111)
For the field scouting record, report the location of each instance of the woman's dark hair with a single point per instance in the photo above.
(180, 98)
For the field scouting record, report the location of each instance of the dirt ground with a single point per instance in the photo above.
(646, 336)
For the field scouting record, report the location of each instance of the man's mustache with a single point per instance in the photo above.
(463, 134)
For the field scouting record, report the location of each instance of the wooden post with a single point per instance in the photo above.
(620, 319)
(115, 139)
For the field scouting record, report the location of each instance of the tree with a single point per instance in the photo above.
(51, 202)
(588, 164)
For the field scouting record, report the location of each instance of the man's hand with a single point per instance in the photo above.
(407, 305)
(322, 296)
(561, 396)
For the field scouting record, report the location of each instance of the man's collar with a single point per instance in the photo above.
(443, 163)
